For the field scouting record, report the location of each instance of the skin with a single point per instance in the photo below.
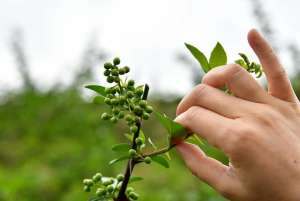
(258, 130)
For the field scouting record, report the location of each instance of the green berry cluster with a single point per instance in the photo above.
(131, 194)
(251, 67)
(127, 101)
(124, 97)
(107, 188)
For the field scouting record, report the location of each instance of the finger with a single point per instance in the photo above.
(207, 124)
(238, 80)
(207, 169)
(278, 82)
(215, 100)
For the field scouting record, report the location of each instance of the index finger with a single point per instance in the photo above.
(278, 82)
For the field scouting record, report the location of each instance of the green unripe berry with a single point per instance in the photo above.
(116, 111)
(115, 72)
(119, 185)
(139, 92)
(114, 101)
(107, 182)
(133, 195)
(138, 110)
(87, 188)
(149, 109)
(129, 190)
(129, 118)
(139, 141)
(88, 182)
(108, 65)
(100, 192)
(116, 79)
(145, 115)
(121, 71)
(110, 96)
(147, 160)
(132, 152)
(110, 79)
(121, 115)
(135, 100)
(130, 88)
(113, 120)
(143, 103)
(133, 129)
(126, 69)
(116, 61)
(130, 123)
(130, 94)
(105, 116)
(110, 188)
(120, 177)
(122, 99)
(113, 90)
(107, 101)
(97, 177)
(106, 73)
(130, 83)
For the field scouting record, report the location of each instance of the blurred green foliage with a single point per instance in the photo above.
(50, 141)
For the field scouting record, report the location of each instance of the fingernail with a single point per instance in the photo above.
(179, 118)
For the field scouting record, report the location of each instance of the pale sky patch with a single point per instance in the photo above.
(145, 34)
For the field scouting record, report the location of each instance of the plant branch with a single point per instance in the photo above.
(160, 151)
(131, 162)
(163, 150)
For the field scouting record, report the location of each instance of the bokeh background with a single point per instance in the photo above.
(51, 136)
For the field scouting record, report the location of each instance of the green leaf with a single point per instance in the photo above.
(142, 135)
(164, 120)
(122, 158)
(129, 136)
(218, 56)
(174, 129)
(151, 142)
(195, 139)
(201, 58)
(97, 88)
(168, 155)
(161, 161)
(135, 179)
(121, 148)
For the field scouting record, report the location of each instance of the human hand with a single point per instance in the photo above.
(258, 130)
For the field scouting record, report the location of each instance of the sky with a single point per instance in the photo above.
(146, 35)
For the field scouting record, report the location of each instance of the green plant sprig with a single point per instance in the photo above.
(129, 102)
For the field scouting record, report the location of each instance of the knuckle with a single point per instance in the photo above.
(225, 135)
(279, 74)
(191, 113)
(206, 77)
(267, 116)
(235, 67)
(200, 90)
(241, 137)
(236, 70)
